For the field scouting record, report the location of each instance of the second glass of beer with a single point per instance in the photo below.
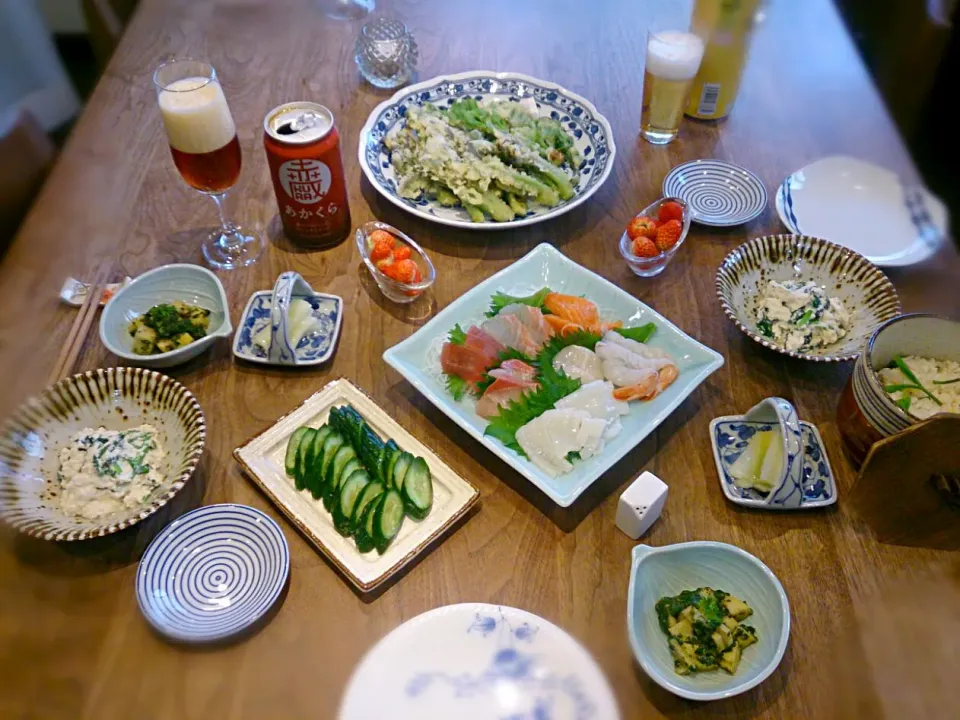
(203, 142)
(673, 58)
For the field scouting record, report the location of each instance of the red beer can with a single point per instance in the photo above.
(303, 150)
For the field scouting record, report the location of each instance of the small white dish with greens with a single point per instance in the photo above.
(486, 150)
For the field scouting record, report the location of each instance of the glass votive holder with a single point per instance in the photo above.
(386, 53)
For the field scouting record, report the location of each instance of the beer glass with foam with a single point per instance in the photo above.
(673, 58)
(206, 151)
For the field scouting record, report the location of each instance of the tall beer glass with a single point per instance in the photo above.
(673, 58)
(203, 142)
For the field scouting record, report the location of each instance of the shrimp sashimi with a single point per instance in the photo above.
(510, 331)
(549, 438)
(532, 319)
(639, 371)
(651, 387)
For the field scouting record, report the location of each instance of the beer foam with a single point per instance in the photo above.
(196, 115)
(674, 55)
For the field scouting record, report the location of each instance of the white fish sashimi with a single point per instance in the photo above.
(580, 363)
(549, 438)
(596, 399)
(639, 348)
(532, 319)
(627, 362)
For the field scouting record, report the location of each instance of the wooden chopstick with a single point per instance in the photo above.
(78, 333)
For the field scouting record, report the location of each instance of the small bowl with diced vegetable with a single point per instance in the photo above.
(399, 265)
(166, 316)
(706, 620)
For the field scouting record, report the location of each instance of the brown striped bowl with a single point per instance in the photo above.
(117, 399)
(863, 288)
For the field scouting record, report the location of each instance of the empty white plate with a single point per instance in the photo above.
(864, 207)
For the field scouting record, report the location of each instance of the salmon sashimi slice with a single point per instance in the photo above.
(510, 331)
(464, 362)
(573, 309)
(485, 343)
(562, 326)
(532, 319)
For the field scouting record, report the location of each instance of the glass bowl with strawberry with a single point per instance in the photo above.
(400, 267)
(653, 236)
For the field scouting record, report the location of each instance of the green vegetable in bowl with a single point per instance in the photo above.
(168, 326)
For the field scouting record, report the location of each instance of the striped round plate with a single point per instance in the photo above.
(212, 573)
(718, 193)
(864, 289)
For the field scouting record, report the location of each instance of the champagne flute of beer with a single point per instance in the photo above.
(206, 151)
(673, 58)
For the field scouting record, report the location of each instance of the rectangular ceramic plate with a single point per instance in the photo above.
(262, 459)
(417, 359)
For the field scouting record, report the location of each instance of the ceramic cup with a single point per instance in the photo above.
(788, 492)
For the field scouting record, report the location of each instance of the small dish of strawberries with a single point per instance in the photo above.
(653, 236)
(399, 266)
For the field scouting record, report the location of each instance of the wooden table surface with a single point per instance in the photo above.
(72, 641)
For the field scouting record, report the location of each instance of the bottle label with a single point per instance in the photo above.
(709, 97)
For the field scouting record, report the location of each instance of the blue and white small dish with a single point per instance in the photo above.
(807, 481)
(269, 308)
(191, 284)
(668, 571)
(212, 573)
(475, 662)
(866, 208)
(720, 194)
(590, 130)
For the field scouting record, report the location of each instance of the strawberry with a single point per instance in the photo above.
(644, 247)
(404, 271)
(642, 226)
(670, 210)
(668, 234)
(384, 263)
(381, 236)
(401, 252)
(380, 251)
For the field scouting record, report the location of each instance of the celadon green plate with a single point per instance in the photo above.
(418, 359)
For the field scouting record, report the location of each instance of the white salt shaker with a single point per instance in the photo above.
(641, 504)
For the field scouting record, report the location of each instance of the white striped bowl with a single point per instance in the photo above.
(720, 194)
(864, 289)
(117, 399)
(212, 573)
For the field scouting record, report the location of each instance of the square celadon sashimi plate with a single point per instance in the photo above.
(418, 359)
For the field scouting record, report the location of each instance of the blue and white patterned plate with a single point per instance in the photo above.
(720, 194)
(212, 573)
(477, 662)
(729, 436)
(313, 349)
(866, 208)
(591, 131)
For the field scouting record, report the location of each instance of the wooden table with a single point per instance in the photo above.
(72, 641)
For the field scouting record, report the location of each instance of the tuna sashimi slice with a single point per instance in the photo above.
(462, 361)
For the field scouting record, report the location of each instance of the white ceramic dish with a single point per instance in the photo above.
(212, 573)
(669, 570)
(864, 207)
(478, 662)
(416, 358)
(591, 131)
(262, 459)
(720, 194)
(191, 284)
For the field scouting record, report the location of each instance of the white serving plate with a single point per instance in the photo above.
(262, 459)
(546, 265)
(478, 662)
(864, 207)
(593, 138)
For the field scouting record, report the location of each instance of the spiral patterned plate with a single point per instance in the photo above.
(720, 194)
(212, 573)
(865, 291)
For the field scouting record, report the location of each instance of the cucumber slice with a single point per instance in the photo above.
(400, 467)
(388, 459)
(418, 489)
(371, 449)
(303, 450)
(334, 442)
(332, 492)
(313, 458)
(370, 493)
(290, 459)
(387, 520)
(354, 422)
(334, 419)
(343, 512)
(363, 534)
(344, 454)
